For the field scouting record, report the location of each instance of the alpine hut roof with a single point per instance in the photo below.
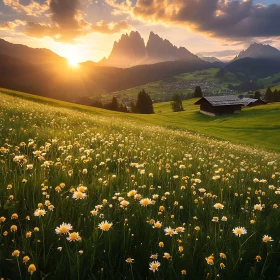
(226, 100)
(248, 101)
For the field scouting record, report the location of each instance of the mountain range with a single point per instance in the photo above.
(131, 50)
(33, 55)
(42, 72)
(256, 50)
(211, 59)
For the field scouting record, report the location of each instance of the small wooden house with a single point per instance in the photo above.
(250, 102)
(220, 105)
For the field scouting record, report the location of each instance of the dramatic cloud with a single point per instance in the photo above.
(66, 20)
(32, 9)
(11, 25)
(230, 19)
(111, 28)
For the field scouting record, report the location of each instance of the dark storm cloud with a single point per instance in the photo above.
(231, 19)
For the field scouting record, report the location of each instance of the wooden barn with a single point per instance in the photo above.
(220, 105)
(250, 102)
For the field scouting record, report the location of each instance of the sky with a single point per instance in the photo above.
(82, 30)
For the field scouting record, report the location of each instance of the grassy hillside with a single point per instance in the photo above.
(93, 194)
(182, 84)
(270, 81)
(256, 126)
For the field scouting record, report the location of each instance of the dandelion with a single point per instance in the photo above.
(180, 249)
(63, 228)
(28, 234)
(78, 195)
(145, 202)
(2, 219)
(51, 207)
(258, 258)
(180, 229)
(197, 228)
(74, 236)
(131, 193)
(222, 266)
(223, 256)
(157, 224)
(105, 225)
(183, 272)
(210, 260)
(267, 238)
(154, 256)
(218, 206)
(94, 212)
(166, 256)
(154, 266)
(14, 216)
(169, 231)
(39, 212)
(238, 231)
(124, 203)
(258, 207)
(15, 253)
(161, 244)
(31, 268)
(13, 228)
(25, 259)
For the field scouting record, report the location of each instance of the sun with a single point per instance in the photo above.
(73, 61)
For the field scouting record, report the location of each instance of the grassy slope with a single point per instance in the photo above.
(254, 126)
(271, 81)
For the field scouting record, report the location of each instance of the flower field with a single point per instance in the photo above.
(89, 196)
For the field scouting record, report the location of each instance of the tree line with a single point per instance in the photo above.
(143, 105)
(272, 96)
(113, 105)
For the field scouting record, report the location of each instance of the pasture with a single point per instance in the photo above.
(92, 194)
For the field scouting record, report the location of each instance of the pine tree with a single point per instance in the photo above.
(132, 107)
(257, 95)
(269, 95)
(198, 92)
(176, 103)
(144, 104)
(114, 104)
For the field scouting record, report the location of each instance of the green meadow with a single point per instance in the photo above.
(92, 194)
(255, 126)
